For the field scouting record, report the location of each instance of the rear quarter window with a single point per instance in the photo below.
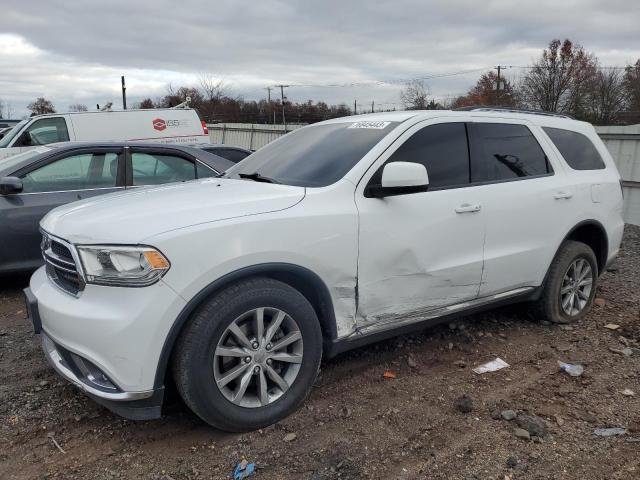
(578, 151)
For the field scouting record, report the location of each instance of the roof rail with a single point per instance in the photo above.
(488, 108)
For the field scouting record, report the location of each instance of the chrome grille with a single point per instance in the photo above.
(60, 265)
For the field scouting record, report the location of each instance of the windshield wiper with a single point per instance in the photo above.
(255, 176)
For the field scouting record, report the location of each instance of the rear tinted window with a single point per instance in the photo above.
(230, 154)
(577, 150)
(442, 149)
(314, 156)
(501, 151)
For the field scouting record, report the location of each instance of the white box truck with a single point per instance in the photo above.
(169, 125)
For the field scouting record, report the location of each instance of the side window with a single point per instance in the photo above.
(77, 172)
(44, 131)
(577, 150)
(501, 151)
(157, 168)
(203, 171)
(442, 149)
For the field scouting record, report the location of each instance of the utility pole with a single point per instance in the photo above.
(284, 121)
(355, 107)
(371, 106)
(498, 67)
(124, 94)
(269, 102)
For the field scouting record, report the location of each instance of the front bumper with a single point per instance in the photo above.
(107, 341)
(132, 405)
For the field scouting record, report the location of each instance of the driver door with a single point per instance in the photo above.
(420, 252)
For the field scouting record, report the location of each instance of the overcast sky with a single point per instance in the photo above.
(73, 51)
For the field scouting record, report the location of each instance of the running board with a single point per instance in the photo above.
(397, 321)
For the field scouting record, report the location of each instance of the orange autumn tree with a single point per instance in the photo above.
(485, 92)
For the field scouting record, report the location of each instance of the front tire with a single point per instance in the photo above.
(249, 355)
(570, 285)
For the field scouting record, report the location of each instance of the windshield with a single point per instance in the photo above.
(6, 164)
(314, 156)
(6, 140)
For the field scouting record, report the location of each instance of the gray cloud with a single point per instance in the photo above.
(75, 51)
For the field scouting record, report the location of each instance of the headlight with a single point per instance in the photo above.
(127, 266)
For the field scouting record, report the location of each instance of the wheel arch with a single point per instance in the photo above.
(302, 279)
(592, 233)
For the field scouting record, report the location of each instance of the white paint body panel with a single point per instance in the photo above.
(181, 126)
(382, 260)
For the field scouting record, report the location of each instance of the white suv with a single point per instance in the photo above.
(337, 234)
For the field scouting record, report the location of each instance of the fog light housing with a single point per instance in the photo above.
(91, 374)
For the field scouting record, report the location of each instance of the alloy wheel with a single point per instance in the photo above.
(258, 357)
(576, 287)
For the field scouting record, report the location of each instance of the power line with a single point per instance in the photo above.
(387, 82)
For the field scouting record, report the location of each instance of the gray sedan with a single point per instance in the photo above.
(34, 182)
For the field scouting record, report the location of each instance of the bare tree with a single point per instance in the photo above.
(607, 97)
(214, 88)
(414, 95)
(9, 111)
(560, 79)
(78, 107)
(41, 106)
(2, 108)
(632, 86)
(146, 104)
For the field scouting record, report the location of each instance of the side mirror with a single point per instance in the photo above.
(400, 178)
(10, 185)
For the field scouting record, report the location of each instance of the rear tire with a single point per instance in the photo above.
(223, 340)
(570, 285)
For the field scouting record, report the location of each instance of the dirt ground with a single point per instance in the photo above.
(357, 424)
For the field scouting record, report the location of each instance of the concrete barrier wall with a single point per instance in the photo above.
(623, 143)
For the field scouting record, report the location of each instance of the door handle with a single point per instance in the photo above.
(468, 208)
(563, 195)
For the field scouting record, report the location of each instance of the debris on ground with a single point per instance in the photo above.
(521, 433)
(492, 366)
(512, 462)
(464, 404)
(536, 426)
(627, 352)
(574, 370)
(389, 375)
(411, 362)
(290, 437)
(627, 392)
(508, 415)
(612, 326)
(55, 443)
(600, 302)
(243, 469)
(609, 432)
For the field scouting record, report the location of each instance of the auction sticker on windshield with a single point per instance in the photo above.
(370, 124)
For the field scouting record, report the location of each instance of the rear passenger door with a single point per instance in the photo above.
(518, 184)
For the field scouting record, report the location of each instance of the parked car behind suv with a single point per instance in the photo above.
(335, 235)
(36, 181)
(230, 152)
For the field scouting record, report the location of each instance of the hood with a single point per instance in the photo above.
(130, 217)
